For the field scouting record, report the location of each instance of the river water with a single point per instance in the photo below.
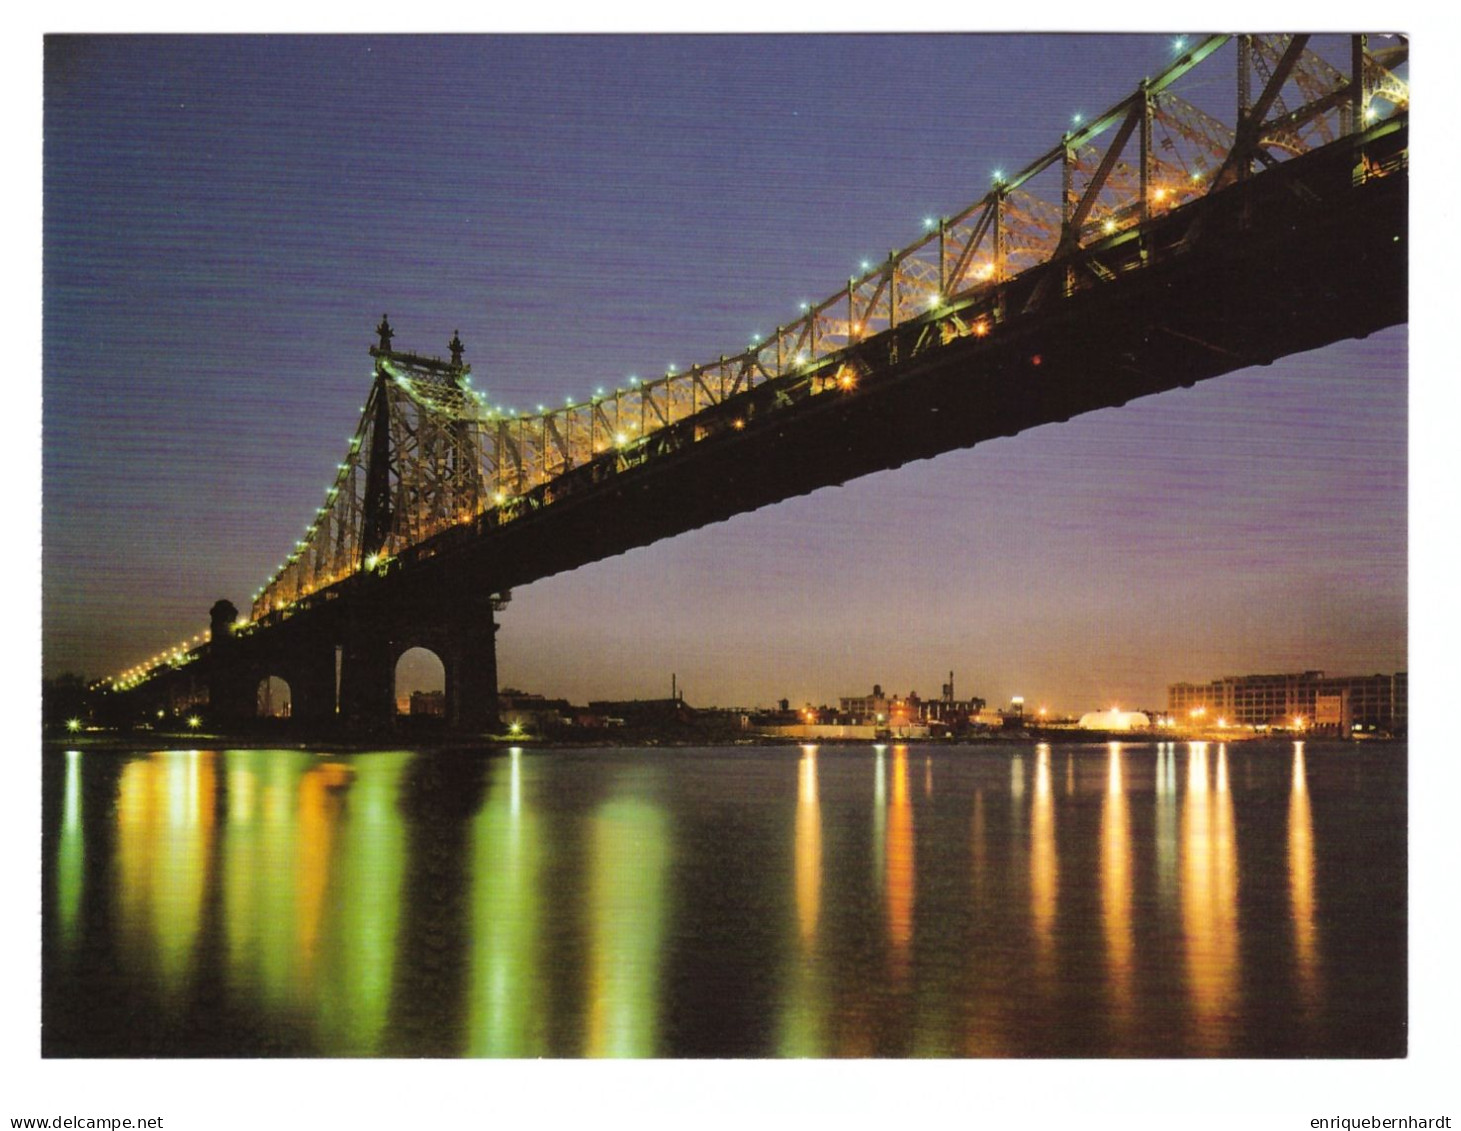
(1000, 900)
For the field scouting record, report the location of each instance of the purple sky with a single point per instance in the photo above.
(227, 218)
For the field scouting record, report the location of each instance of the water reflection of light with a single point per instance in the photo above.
(808, 848)
(164, 836)
(1209, 900)
(630, 859)
(1166, 835)
(803, 1012)
(900, 861)
(1116, 886)
(259, 905)
(1301, 880)
(70, 856)
(359, 940)
(1044, 868)
(880, 818)
(507, 1016)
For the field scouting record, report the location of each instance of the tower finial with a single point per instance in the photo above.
(385, 332)
(456, 347)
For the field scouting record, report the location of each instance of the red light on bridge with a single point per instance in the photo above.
(1036, 359)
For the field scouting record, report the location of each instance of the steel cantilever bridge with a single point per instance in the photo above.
(1153, 247)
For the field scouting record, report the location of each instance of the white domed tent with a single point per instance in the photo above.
(1114, 720)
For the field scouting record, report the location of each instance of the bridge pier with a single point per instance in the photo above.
(311, 679)
(230, 694)
(367, 679)
(471, 669)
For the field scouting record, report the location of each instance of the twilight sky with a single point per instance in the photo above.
(226, 218)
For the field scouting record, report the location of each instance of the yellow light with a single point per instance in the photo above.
(1222, 722)
(1109, 226)
(981, 329)
(73, 725)
(194, 722)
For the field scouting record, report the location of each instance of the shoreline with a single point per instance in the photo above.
(137, 742)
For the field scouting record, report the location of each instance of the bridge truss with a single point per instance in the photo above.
(431, 456)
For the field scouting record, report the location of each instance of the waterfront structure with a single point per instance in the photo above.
(1115, 719)
(1307, 700)
(1153, 247)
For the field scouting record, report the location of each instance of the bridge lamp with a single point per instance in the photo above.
(801, 359)
(1179, 43)
(1371, 113)
(866, 266)
(1108, 227)
(194, 722)
(620, 439)
(73, 725)
(806, 306)
(371, 560)
(1077, 119)
(981, 329)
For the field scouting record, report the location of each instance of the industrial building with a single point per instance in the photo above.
(1295, 701)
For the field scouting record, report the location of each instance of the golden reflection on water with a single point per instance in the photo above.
(808, 848)
(1209, 900)
(900, 863)
(1301, 881)
(1116, 887)
(507, 1015)
(803, 1013)
(164, 840)
(1044, 866)
(629, 866)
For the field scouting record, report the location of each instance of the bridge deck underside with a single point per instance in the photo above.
(1267, 272)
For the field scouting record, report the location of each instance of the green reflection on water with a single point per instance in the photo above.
(630, 853)
(507, 1015)
(259, 875)
(358, 944)
(70, 854)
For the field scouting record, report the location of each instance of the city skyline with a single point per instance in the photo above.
(581, 209)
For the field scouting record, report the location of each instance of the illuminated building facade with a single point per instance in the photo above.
(1299, 700)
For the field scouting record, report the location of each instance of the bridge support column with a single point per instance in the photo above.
(471, 670)
(312, 683)
(367, 681)
(230, 694)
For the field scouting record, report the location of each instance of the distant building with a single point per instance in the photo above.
(428, 703)
(1299, 700)
(908, 716)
